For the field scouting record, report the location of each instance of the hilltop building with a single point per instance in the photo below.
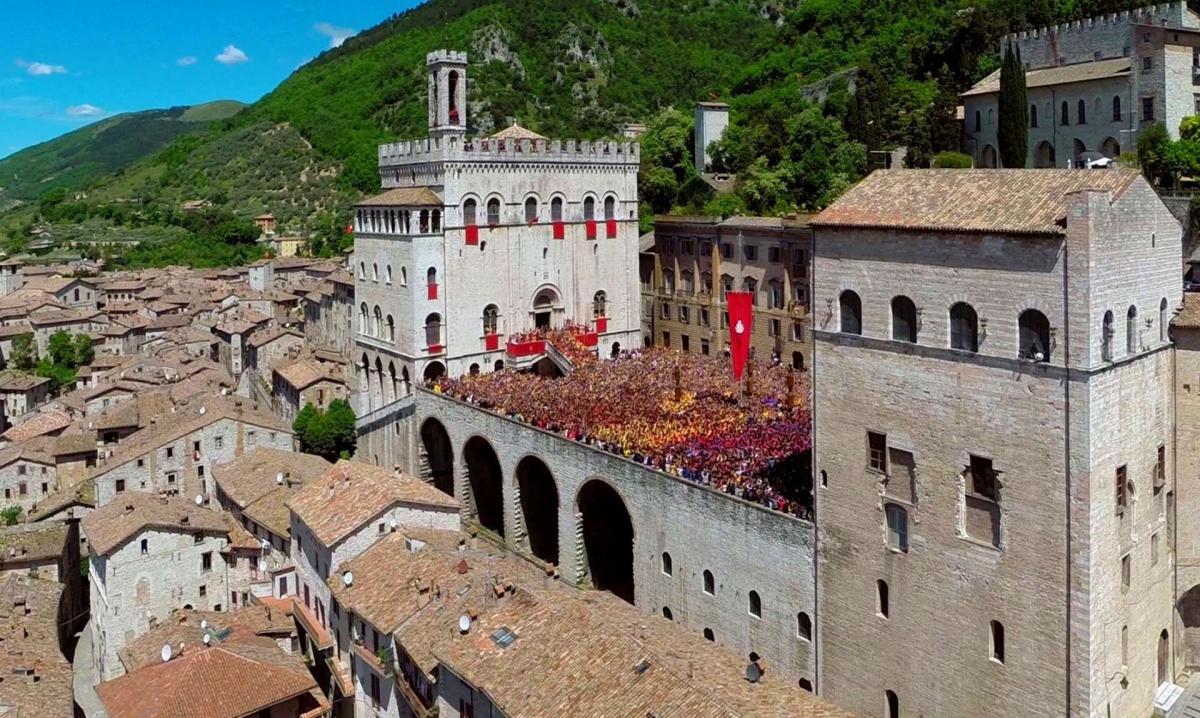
(1093, 85)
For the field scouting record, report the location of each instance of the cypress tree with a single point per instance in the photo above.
(1012, 132)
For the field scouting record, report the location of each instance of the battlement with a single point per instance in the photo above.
(452, 57)
(452, 148)
(1171, 14)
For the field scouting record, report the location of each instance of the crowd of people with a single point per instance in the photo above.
(678, 413)
(566, 340)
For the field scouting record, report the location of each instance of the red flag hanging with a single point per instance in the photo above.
(741, 319)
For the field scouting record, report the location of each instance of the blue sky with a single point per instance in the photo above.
(66, 63)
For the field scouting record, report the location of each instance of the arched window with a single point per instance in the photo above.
(1164, 322)
(431, 276)
(363, 319)
(556, 209)
(1081, 113)
(469, 213)
(904, 320)
(491, 317)
(437, 221)
(424, 221)
(978, 121)
(473, 370)
(709, 583)
(891, 705)
(706, 282)
(997, 642)
(388, 274)
(531, 210)
(687, 282)
(1116, 107)
(668, 277)
(433, 330)
(362, 270)
(755, 604)
(493, 210)
(1065, 112)
(1106, 336)
(964, 327)
(666, 613)
(1033, 115)
(404, 276)
(850, 310)
(1131, 330)
(589, 208)
(377, 324)
(804, 626)
(391, 328)
(882, 599)
(610, 207)
(667, 568)
(374, 272)
(1034, 336)
(599, 304)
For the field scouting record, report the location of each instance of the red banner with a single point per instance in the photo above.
(590, 226)
(610, 228)
(559, 230)
(741, 319)
(472, 233)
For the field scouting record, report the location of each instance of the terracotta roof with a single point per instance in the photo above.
(516, 132)
(351, 493)
(82, 493)
(37, 678)
(31, 542)
(253, 475)
(225, 681)
(1062, 75)
(250, 624)
(131, 513)
(1189, 316)
(21, 382)
(303, 373)
(988, 201)
(45, 422)
(404, 197)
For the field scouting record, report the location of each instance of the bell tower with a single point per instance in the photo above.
(447, 92)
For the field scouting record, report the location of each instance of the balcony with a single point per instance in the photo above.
(525, 348)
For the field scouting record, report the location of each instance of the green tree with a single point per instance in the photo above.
(1153, 144)
(952, 160)
(11, 515)
(1012, 133)
(303, 418)
(341, 419)
(24, 352)
(61, 349)
(1189, 128)
(85, 351)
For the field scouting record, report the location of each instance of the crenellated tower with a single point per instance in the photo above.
(447, 92)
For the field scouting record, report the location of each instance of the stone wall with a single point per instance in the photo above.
(746, 547)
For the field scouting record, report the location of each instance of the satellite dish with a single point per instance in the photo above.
(203, 625)
(753, 673)
(201, 411)
(165, 653)
(207, 639)
(199, 500)
(348, 579)
(279, 478)
(464, 623)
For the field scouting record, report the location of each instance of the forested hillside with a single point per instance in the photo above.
(815, 87)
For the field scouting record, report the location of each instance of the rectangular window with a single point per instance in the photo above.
(724, 320)
(206, 561)
(727, 251)
(705, 249)
(773, 254)
(983, 478)
(750, 252)
(1122, 482)
(120, 485)
(141, 463)
(685, 342)
(775, 328)
(1148, 109)
(797, 331)
(685, 247)
(170, 478)
(219, 442)
(877, 451)
(170, 452)
(897, 527)
(666, 339)
(1147, 63)
(704, 347)
(374, 690)
(22, 489)
(1160, 469)
(664, 310)
(684, 314)
(20, 469)
(250, 437)
(203, 591)
(703, 318)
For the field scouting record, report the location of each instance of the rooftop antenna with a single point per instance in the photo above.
(165, 653)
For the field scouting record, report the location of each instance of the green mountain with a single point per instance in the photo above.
(815, 86)
(78, 158)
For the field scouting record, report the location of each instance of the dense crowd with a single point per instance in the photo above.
(674, 412)
(565, 340)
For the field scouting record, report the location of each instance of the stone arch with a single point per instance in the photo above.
(1043, 155)
(364, 384)
(434, 370)
(608, 537)
(383, 397)
(539, 507)
(989, 158)
(485, 482)
(1110, 148)
(547, 301)
(437, 456)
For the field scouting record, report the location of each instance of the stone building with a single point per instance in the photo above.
(306, 381)
(148, 556)
(329, 314)
(477, 240)
(37, 677)
(22, 393)
(994, 437)
(1094, 84)
(698, 259)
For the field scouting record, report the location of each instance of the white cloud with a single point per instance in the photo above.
(336, 35)
(41, 68)
(232, 55)
(186, 60)
(84, 110)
